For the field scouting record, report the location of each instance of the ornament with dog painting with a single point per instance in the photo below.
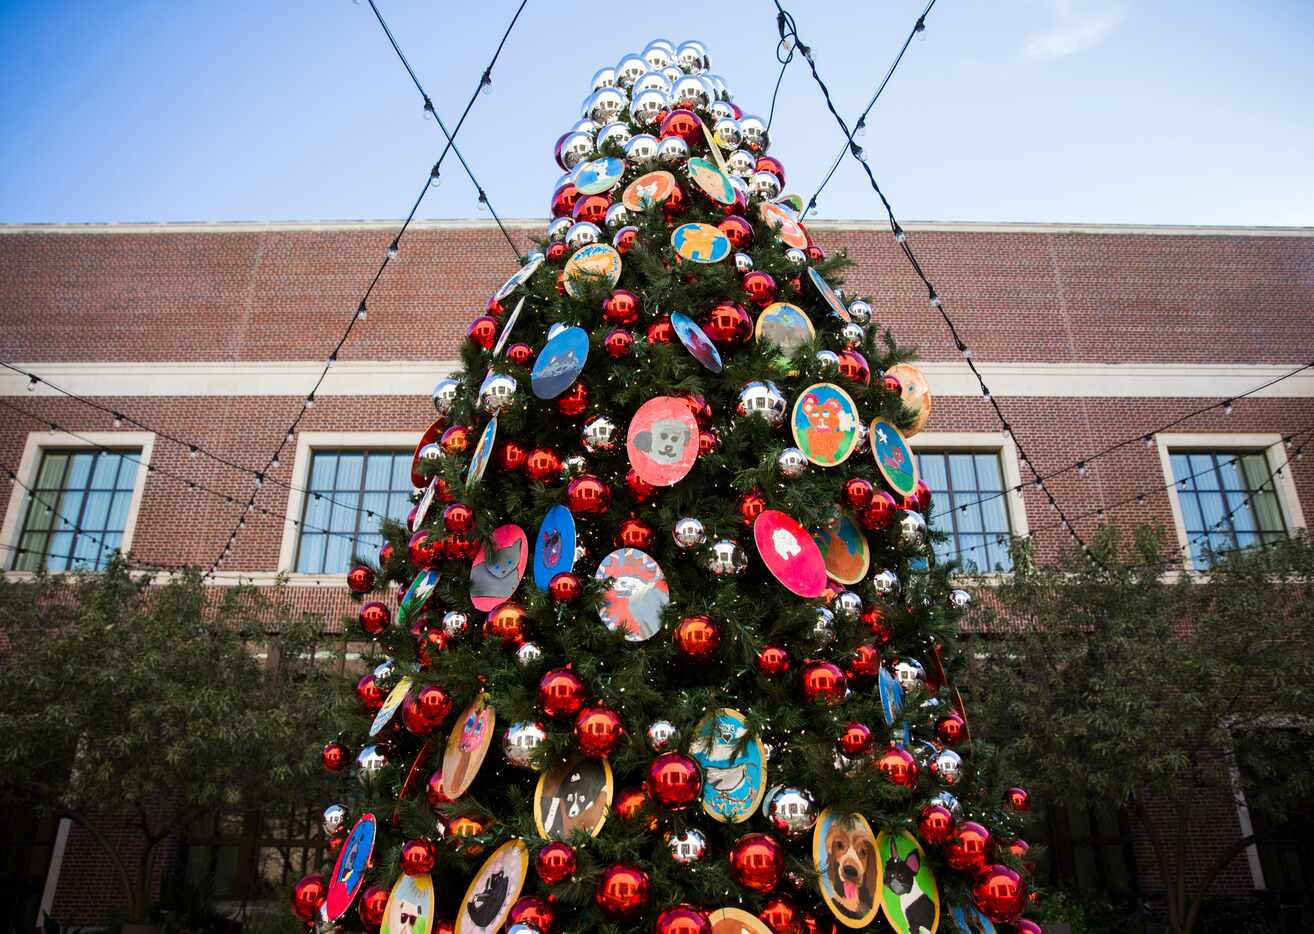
(828, 295)
(467, 745)
(736, 921)
(559, 363)
(844, 549)
(636, 594)
(848, 869)
(891, 693)
(519, 277)
(696, 342)
(662, 441)
(700, 243)
(785, 325)
(575, 795)
(426, 502)
(915, 392)
(789, 553)
(349, 871)
(505, 336)
(711, 181)
(825, 424)
(482, 452)
(909, 896)
(647, 190)
(893, 457)
(410, 906)
(785, 223)
(495, 577)
(554, 547)
(734, 772)
(598, 175)
(427, 440)
(596, 263)
(494, 889)
(390, 706)
(417, 595)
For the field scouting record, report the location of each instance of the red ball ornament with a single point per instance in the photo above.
(1027, 926)
(757, 862)
(911, 503)
(434, 702)
(674, 780)
(708, 443)
(461, 547)
(1019, 848)
(495, 308)
(443, 926)
(640, 490)
(700, 407)
(624, 239)
(951, 729)
(561, 692)
(676, 203)
(565, 588)
(374, 617)
(661, 331)
(682, 919)
(455, 439)
(618, 344)
(360, 579)
(822, 683)
(435, 792)
(781, 915)
(621, 307)
(458, 518)
(684, 124)
(507, 623)
(873, 617)
(417, 857)
(923, 494)
(370, 907)
(335, 756)
(424, 549)
(1017, 800)
(728, 324)
(774, 166)
(899, 766)
(967, 850)
(622, 892)
(574, 402)
(737, 230)
(385, 554)
(880, 512)
(630, 802)
(814, 253)
(563, 201)
(635, 533)
(534, 912)
(751, 505)
(555, 863)
(892, 384)
(542, 465)
(855, 740)
(1000, 893)
(853, 366)
(598, 731)
(935, 824)
(591, 208)
(866, 661)
(414, 719)
(760, 287)
(368, 692)
(483, 332)
(588, 496)
(556, 252)
(335, 843)
(697, 638)
(510, 455)
(519, 354)
(772, 660)
(307, 897)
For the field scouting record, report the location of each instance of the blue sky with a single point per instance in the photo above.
(1119, 111)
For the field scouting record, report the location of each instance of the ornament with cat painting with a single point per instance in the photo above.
(495, 577)
(825, 424)
(494, 889)
(467, 746)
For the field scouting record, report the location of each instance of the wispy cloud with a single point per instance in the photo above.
(1078, 25)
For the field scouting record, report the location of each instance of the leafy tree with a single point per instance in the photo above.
(1146, 689)
(154, 704)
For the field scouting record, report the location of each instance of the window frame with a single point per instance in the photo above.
(34, 449)
(1268, 443)
(308, 442)
(983, 442)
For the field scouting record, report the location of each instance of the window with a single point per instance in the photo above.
(1228, 500)
(970, 506)
(342, 489)
(79, 509)
(1089, 850)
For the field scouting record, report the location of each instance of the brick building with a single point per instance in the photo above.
(213, 335)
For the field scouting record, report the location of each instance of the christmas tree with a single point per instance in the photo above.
(670, 650)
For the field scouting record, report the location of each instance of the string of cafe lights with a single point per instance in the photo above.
(394, 248)
(788, 28)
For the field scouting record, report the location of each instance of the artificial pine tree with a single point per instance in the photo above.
(670, 648)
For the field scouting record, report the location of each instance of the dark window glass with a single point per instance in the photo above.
(969, 507)
(78, 509)
(1228, 501)
(344, 487)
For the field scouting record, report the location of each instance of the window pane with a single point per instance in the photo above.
(1202, 468)
(987, 472)
(311, 558)
(118, 514)
(931, 468)
(338, 525)
(128, 467)
(376, 503)
(1265, 506)
(86, 551)
(349, 471)
(323, 467)
(343, 518)
(962, 476)
(104, 472)
(1211, 508)
(70, 508)
(52, 472)
(317, 512)
(994, 516)
(61, 544)
(378, 469)
(1239, 507)
(79, 471)
(1227, 468)
(1255, 469)
(1191, 517)
(399, 505)
(401, 472)
(34, 548)
(969, 520)
(39, 513)
(97, 512)
(1181, 465)
(338, 556)
(998, 558)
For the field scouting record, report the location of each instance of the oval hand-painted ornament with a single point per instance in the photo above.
(505, 336)
(700, 243)
(789, 553)
(711, 180)
(825, 424)
(647, 190)
(828, 295)
(849, 872)
(425, 504)
(482, 452)
(968, 919)
(428, 445)
(467, 745)
(595, 264)
(785, 325)
(494, 889)
(519, 277)
(559, 363)
(734, 771)
(736, 921)
(662, 441)
(349, 871)
(636, 594)
(495, 577)
(915, 392)
(893, 457)
(891, 693)
(909, 896)
(574, 795)
(410, 906)
(696, 342)
(390, 706)
(844, 549)
(598, 175)
(554, 547)
(417, 595)
(785, 222)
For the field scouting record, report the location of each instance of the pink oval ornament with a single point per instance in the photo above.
(789, 553)
(493, 579)
(662, 441)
